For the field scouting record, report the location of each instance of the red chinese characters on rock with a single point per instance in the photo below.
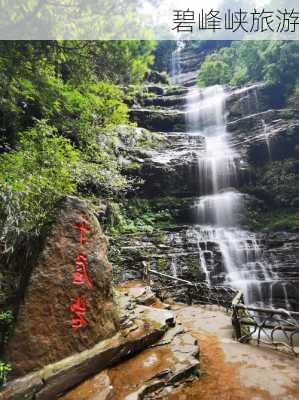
(79, 310)
(84, 229)
(81, 276)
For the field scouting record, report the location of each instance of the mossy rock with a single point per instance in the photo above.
(163, 264)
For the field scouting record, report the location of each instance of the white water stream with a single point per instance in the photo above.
(176, 63)
(218, 210)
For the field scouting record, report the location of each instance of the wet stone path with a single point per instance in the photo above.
(234, 371)
(199, 336)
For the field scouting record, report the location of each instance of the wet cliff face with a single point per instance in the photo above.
(266, 139)
(263, 131)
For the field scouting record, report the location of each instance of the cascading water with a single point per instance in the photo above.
(202, 260)
(176, 62)
(267, 138)
(173, 267)
(219, 210)
(205, 116)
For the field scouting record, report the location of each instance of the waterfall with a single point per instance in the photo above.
(267, 138)
(176, 62)
(173, 267)
(202, 259)
(205, 110)
(219, 209)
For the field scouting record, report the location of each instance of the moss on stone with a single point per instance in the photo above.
(159, 238)
(162, 264)
(139, 216)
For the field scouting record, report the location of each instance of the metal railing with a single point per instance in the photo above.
(193, 292)
(278, 328)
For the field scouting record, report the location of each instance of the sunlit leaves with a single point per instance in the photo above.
(275, 62)
(33, 178)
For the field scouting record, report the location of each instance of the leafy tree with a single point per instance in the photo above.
(70, 18)
(33, 178)
(275, 62)
(69, 83)
(214, 71)
(59, 105)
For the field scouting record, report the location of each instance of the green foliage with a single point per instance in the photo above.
(6, 326)
(283, 221)
(6, 317)
(162, 264)
(74, 18)
(68, 83)
(5, 369)
(119, 61)
(47, 159)
(59, 106)
(73, 111)
(279, 220)
(213, 71)
(85, 111)
(279, 180)
(135, 216)
(33, 178)
(275, 62)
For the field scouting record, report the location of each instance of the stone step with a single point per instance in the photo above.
(165, 101)
(163, 365)
(162, 120)
(165, 90)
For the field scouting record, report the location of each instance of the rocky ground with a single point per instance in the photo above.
(150, 352)
(163, 365)
(231, 370)
(228, 370)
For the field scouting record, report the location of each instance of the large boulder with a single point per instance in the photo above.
(141, 327)
(67, 305)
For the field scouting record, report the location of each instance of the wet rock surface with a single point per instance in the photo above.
(164, 120)
(168, 368)
(143, 376)
(262, 130)
(167, 170)
(141, 328)
(166, 364)
(259, 130)
(184, 253)
(232, 370)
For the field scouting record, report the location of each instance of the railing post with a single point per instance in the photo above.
(236, 323)
(189, 296)
(146, 273)
(235, 316)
